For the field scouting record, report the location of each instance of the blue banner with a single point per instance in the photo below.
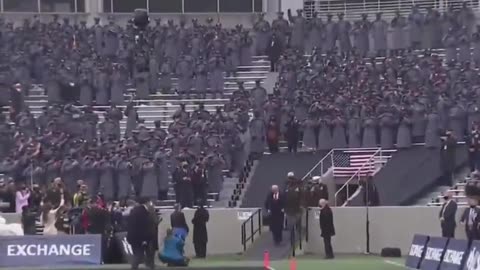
(417, 250)
(473, 259)
(56, 250)
(455, 254)
(434, 253)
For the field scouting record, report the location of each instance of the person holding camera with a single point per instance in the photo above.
(81, 196)
(51, 213)
(21, 198)
(56, 192)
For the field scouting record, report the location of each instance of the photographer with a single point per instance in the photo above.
(35, 199)
(57, 192)
(81, 196)
(21, 198)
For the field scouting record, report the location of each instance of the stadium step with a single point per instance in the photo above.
(435, 198)
(273, 170)
(162, 106)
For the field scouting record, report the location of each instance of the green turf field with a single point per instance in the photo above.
(309, 263)
(303, 263)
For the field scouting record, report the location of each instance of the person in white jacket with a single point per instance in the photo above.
(49, 217)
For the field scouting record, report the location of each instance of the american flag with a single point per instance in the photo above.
(346, 164)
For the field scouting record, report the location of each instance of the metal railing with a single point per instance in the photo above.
(353, 10)
(42, 6)
(253, 231)
(321, 167)
(363, 171)
(189, 6)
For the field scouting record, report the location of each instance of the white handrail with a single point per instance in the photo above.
(388, 8)
(320, 163)
(368, 162)
(330, 154)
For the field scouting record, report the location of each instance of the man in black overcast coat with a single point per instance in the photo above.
(141, 234)
(327, 227)
(447, 216)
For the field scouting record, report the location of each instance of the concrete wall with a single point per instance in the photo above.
(94, 8)
(389, 227)
(11, 217)
(293, 5)
(224, 230)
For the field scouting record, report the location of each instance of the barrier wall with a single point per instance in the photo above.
(389, 227)
(11, 217)
(224, 229)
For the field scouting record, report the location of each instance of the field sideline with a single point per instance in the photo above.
(302, 263)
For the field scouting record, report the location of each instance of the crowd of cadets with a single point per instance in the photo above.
(422, 29)
(355, 102)
(329, 100)
(63, 142)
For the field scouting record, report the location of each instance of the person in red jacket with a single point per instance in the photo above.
(273, 134)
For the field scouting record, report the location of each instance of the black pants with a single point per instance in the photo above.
(273, 147)
(273, 64)
(163, 195)
(277, 232)
(292, 146)
(327, 242)
(200, 249)
(448, 232)
(447, 178)
(143, 254)
(415, 45)
(474, 160)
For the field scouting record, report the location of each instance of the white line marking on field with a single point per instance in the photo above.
(396, 264)
(270, 268)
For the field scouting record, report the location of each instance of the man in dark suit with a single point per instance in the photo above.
(200, 233)
(275, 208)
(448, 157)
(470, 218)
(447, 216)
(274, 51)
(178, 222)
(141, 234)
(327, 228)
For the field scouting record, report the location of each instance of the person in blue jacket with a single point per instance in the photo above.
(173, 253)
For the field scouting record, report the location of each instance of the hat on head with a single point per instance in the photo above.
(316, 178)
(290, 174)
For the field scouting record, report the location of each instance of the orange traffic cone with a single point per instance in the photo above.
(293, 263)
(266, 259)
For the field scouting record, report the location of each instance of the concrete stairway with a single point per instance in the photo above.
(162, 106)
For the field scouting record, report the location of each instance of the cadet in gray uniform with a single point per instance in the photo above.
(379, 33)
(299, 23)
(262, 34)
